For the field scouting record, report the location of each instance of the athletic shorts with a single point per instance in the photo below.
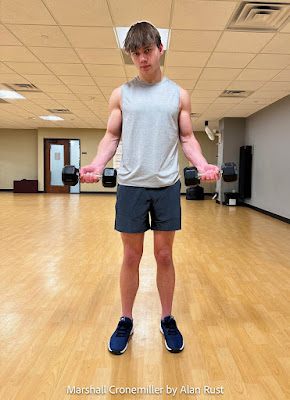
(135, 204)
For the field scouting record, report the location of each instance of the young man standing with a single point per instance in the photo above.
(152, 113)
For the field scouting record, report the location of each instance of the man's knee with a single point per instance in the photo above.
(132, 257)
(163, 256)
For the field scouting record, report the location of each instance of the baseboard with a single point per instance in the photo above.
(270, 214)
(276, 216)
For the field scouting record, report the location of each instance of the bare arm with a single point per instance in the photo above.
(108, 145)
(189, 144)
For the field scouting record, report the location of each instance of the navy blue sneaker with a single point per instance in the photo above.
(119, 340)
(173, 338)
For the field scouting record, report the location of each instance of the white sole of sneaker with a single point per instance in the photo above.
(166, 345)
(123, 351)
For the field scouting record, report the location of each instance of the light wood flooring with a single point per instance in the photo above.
(60, 303)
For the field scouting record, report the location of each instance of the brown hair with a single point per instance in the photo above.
(141, 34)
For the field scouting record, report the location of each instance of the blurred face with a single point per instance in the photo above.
(147, 58)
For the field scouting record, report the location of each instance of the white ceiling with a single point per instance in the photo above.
(68, 49)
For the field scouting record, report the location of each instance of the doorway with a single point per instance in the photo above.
(57, 154)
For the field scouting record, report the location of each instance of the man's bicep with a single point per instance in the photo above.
(114, 125)
(185, 126)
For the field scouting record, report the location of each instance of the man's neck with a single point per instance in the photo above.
(154, 78)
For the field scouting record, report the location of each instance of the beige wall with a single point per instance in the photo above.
(22, 154)
(18, 156)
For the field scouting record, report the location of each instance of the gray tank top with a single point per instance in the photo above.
(150, 133)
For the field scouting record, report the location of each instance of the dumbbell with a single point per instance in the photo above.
(228, 171)
(71, 176)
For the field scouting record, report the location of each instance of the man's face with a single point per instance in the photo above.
(147, 58)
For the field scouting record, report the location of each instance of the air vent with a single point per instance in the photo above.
(59, 111)
(255, 16)
(23, 87)
(235, 93)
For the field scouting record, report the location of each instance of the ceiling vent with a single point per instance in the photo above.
(236, 93)
(59, 111)
(255, 16)
(23, 87)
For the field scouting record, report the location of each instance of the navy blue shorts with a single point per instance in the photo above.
(134, 204)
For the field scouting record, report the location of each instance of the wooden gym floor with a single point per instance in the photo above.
(60, 303)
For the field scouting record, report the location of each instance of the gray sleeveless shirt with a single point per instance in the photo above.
(150, 133)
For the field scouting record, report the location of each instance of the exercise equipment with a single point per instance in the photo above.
(71, 176)
(229, 173)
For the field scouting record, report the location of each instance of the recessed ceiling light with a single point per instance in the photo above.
(122, 33)
(10, 94)
(52, 118)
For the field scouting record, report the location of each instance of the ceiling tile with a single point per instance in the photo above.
(187, 84)
(16, 53)
(81, 12)
(286, 28)
(55, 54)
(245, 85)
(127, 12)
(85, 89)
(210, 74)
(4, 69)
(100, 56)
(279, 45)
(182, 72)
(182, 40)
(212, 85)
(97, 98)
(62, 96)
(225, 100)
(77, 80)
(54, 88)
(257, 74)
(198, 107)
(68, 69)
(51, 104)
(232, 60)
(19, 12)
(12, 78)
(267, 94)
(29, 68)
(282, 76)
(36, 95)
(106, 70)
(43, 79)
(186, 59)
(243, 42)
(276, 86)
(31, 35)
(212, 94)
(131, 70)
(107, 90)
(201, 100)
(219, 108)
(270, 61)
(7, 38)
(203, 15)
(109, 81)
(91, 37)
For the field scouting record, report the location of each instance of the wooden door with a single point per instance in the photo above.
(56, 155)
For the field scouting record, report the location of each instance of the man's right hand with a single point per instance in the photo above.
(88, 174)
